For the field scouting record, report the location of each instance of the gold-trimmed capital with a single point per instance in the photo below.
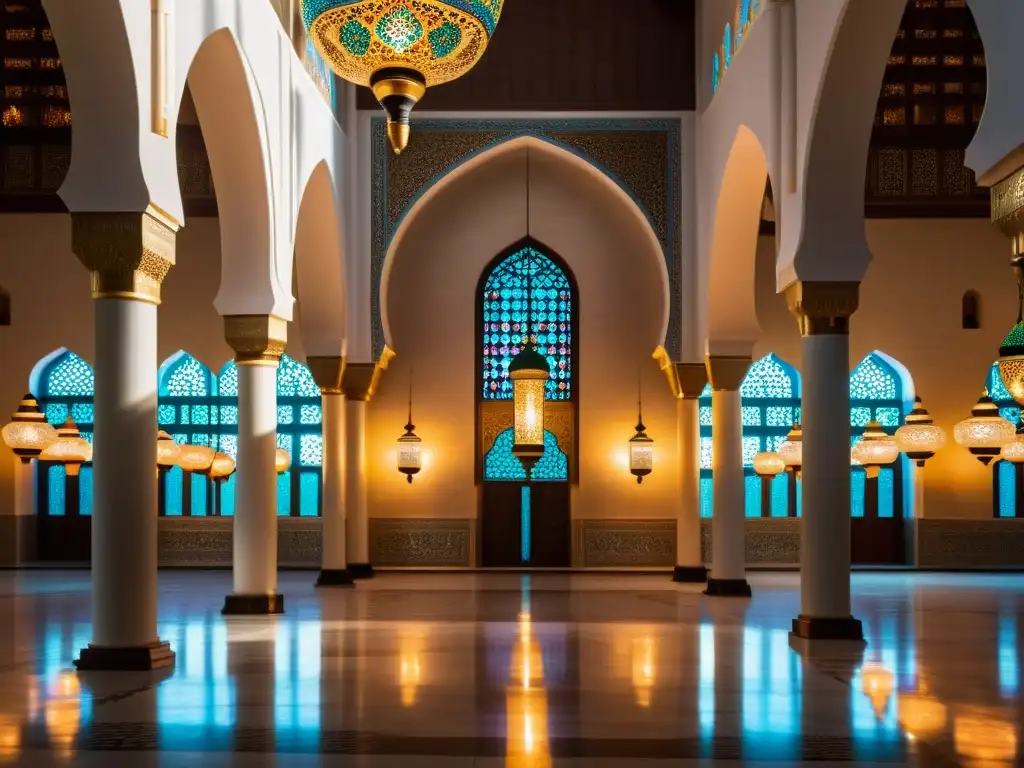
(726, 373)
(127, 254)
(823, 307)
(360, 380)
(256, 339)
(327, 373)
(693, 377)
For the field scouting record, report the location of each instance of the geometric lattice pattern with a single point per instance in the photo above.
(501, 465)
(1007, 502)
(876, 393)
(527, 280)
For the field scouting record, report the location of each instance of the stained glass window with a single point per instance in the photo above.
(299, 417)
(1006, 502)
(500, 464)
(505, 302)
(876, 393)
(188, 411)
(770, 395)
(67, 385)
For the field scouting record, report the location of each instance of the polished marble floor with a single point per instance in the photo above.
(573, 671)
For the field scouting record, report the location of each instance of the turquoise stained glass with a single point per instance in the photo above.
(69, 376)
(299, 416)
(524, 514)
(1006, 499)
(504, 306)
(1007, 495)
(56, 479)
(752, 496)
(876, 393)
(66, 387)
(780, 495)
(874, 379)
(857, 481)
(501, 465)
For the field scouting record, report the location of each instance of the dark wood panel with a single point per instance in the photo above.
(579, 55)
(65, 539)
(500, 539)
(550, 526)
(878, 541)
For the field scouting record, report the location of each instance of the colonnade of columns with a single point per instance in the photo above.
(823, 310)
(128, 256)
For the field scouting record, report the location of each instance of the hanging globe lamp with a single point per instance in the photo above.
(768, 464)
(70, 448)
(1011, 351)
(792, 450)
(986, 432)
(875, 449)
(1013, 451)
(167, 452)
(196, 458)
(28, 432)
(282, 460)
(919, 437)
(399, 48)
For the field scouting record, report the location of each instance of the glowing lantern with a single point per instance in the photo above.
(877, 684)
(167, 451)
(792, 450)
(410, 453)
(28, 433)
(920, 438)
(70, 448)
(875, 449)
(400, 48)
(282, 461)
(986, 432)
(529, 372)
(196, 458)
(768, 464)
(222, 467)
(641, 447)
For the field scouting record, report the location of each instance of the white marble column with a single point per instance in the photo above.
(728, 527)
(689, 558)
(358, 385)
(124, 520)
(328, 372)
(258, 341)
(823, 311)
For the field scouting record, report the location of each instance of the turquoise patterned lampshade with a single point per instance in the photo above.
(1011, 362)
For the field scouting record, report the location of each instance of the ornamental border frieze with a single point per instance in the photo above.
(641, 155)
(1008, 204)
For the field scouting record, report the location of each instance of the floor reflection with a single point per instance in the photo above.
(528, 670)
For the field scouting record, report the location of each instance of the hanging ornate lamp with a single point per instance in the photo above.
(196, 458)
(167, 452)
(1013, 451)
(1011, 352)
(410, 458)
(28, 432)
(875, 449)
(282, 461)
(986, 432)
(641, 447)
(792, 450)
(768, 465)
(70, 448)
(919, 437)
(399, 48)
(529, 372)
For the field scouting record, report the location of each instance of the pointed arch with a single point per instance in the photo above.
(501, 309)
(299, 416)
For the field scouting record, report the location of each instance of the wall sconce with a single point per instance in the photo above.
(641, 447)
(986, 432)
(410, 447)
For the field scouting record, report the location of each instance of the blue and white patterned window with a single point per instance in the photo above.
(504, 304)
(67, 387)
(188, 411)
(771, 403)
(1007, 502)
(501, 465)
(299, 416)
(876, 394)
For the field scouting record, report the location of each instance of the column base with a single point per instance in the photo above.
(253, 605)
(827, 628)
(139, 658)
(360, 570)
(727, 588)
(690, 574)
(334, 577)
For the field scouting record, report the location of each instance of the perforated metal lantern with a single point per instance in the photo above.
(792, 450)
(28, 432)
(196, 458)
(1013, 451)
(399, 48)
(919, 437)
(875, 449)
(769, 464)
(1011, 362)
(167, 451)
(222, 468)
(641, 453)
(986, 432)
(70, 448)
(282, 461)
(529, 372)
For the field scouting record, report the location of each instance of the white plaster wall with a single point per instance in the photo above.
(432, 313)
(910, 309)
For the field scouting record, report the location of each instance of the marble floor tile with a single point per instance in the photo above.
(538, 671)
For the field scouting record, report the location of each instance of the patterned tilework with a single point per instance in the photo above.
(625, 543)
(642, 156)
(421, 542)
(207, 542)
(970, 543)
(768, 541)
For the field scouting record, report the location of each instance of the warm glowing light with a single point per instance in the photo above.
(769, 464)
(1011, 362)
(792, 450)
(875, 449)
(1013, 451)
(282, 461)
(877, 684)
(28, 432)
(70, 448)
(10, 736)
(411, 646)
(63, 713)
(986, 432)
(196, 458)
(641, 454)
(222, 467)
(526, 703)
(921, 715)
(985, 735)
(644, 666)
(410, 453)
(167, 451)
(920, 438)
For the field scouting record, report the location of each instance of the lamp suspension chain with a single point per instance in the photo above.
(409, 425)
(529, 261)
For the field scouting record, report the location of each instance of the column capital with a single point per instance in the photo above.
(726, 373)
(128, 254)
(359, 381)
(256, 339)
(693, 377)
(823, 307)
(1007, 207)
(327, 373)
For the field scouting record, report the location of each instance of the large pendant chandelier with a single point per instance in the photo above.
(399, 48)
(986, 432)
(1011, 352)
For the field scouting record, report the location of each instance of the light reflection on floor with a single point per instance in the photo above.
(522, 671)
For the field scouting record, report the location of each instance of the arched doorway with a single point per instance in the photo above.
(525, 521)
